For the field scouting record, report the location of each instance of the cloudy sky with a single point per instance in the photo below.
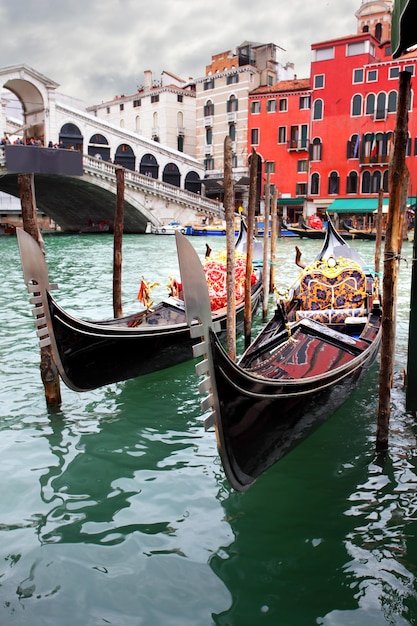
(96, 49)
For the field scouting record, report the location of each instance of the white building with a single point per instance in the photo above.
(162, 110)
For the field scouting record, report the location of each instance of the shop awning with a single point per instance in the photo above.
(403, 28)
(355, 205)
(291, 201)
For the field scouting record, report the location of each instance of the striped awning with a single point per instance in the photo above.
(404, 26)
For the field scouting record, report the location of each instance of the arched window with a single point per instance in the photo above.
(376, 181)
(378, 31)
(315, 184)
(171, 174)
(368, 142)
(379, 148)
(149, 166)
(381, 106)
(232, 132)
(208, 108)
(352, 183)
(99, 147)
(137, 123)
(366, 182)
(316, 149)
(353, 147)
(192, 182)
(356, 105)
(318, 110)
(389, 143)
(385, 181)
(333, 182)
(370, 104)
(209, 136)
(392, 102)
(125, 156)
(71, 137)
(232, 104)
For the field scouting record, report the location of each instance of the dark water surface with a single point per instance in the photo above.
(115, 509)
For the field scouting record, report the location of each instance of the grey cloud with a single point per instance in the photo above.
(96, 49)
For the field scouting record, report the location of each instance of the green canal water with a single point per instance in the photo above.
(115, 510)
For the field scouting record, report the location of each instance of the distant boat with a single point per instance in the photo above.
(90, 354)
(101, 226)
(7, 229)
(304, 364)
(213, 229)
(169, 228)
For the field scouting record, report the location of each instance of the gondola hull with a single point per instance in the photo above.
(260, 420)
(302, 366)
(91, 354)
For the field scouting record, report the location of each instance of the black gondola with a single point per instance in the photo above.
(91, 354)
(306, 361)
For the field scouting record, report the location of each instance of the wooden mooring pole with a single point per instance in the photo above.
(228, 203)
(378, 241)
(48, 368)
(265, 268)
(247, 321)
(398, 177)
(117, 242)
(274, 235)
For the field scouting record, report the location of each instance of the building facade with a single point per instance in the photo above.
(327, 144)
(161, 110)
(222, 109)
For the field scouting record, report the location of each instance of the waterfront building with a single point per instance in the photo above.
(327, 145)
(161, 110)
(222, 96)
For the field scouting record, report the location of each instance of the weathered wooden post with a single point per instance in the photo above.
(378, 242)
(398, 176)
(117, 242)
(411, 372)
(247, 321)
(274, 235)
(265, 268)
(48, 368)
(228, 202)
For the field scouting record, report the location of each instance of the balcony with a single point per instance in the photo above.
(208, 150)
(231, 117)
(208, 120)
(298, 145)
(380, 159)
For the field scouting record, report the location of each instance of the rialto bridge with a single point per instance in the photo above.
(159, 183)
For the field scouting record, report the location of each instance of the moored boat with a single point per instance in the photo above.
(320, 342)
(168, 228)
(90, 354)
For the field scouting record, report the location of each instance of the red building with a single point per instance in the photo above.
(327, 143)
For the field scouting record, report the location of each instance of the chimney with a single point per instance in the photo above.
(148, 79)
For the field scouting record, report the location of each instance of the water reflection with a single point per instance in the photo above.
(116, 510)
(330, 533)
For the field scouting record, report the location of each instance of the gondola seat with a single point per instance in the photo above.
(332, 316)
(331, 294)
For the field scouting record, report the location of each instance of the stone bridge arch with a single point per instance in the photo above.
(35, 92)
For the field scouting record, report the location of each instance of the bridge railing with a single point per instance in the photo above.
(135, 179)
(102, 168)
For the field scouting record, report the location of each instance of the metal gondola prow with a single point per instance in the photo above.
(199, 318)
